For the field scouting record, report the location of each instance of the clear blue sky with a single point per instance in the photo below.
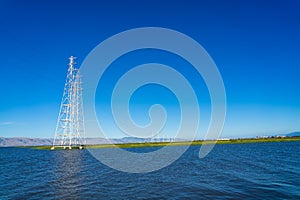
(255, 45)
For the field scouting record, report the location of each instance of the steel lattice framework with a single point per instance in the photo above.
(70, 131)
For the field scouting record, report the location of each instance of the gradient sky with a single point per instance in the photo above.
(255, 45)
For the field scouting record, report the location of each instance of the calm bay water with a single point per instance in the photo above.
(238, 171)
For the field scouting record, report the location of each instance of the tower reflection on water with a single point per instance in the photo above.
(68, 173)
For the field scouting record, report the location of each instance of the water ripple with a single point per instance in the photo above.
(239, 171)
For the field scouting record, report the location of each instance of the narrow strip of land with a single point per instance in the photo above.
(198, 142)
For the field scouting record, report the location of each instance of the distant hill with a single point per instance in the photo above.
(293, 134)
(22, 141)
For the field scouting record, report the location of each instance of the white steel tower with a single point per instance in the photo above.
(70, 131)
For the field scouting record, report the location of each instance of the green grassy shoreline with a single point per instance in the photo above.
(161, 144)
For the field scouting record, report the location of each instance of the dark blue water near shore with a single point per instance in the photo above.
(238, 171)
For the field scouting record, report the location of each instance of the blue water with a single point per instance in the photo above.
(237, 171)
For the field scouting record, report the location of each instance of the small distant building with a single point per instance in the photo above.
(224, 139)
(262, 137)
(280, 136)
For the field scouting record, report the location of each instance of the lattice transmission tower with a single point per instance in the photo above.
(70, 131)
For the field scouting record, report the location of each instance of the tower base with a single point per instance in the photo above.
(66, 147)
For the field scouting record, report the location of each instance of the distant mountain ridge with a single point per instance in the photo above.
(293, 134)
(23, 141)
